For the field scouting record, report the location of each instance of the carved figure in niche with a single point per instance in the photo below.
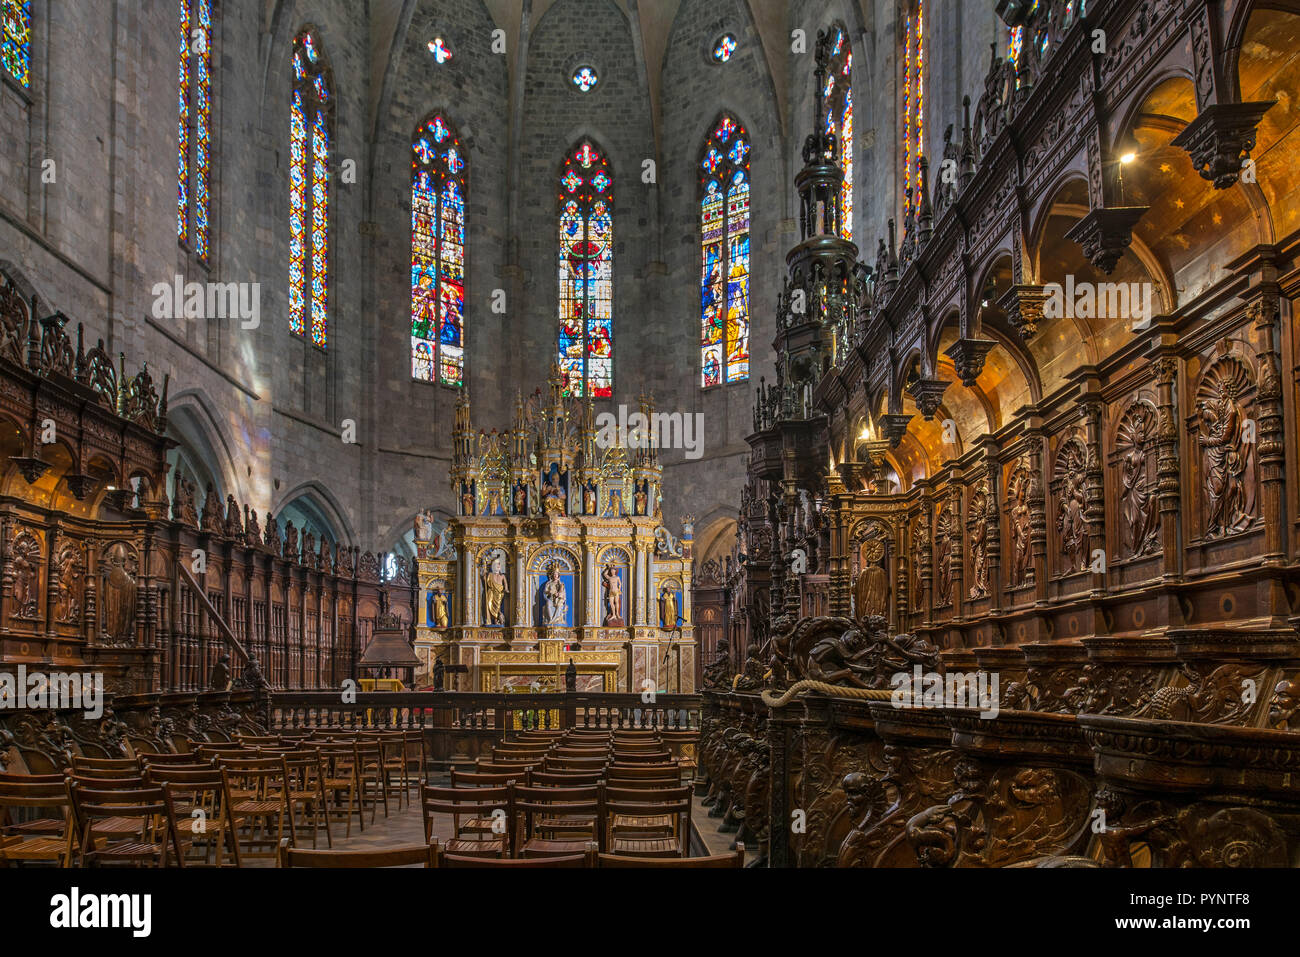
(493, 502)
(1071, 523)
(616, 501)
(26, 564)
(439, 608)
(641, 497)
(556, 598)
(920, 546)
(1227, 449)
(495, 589)
(1022, 564)
(119, 595)
(71, 583)
(521, 498)
(613, 586)
(943, 558)
(1284, 704)
(466, 499)
(667, 607)
(589, 498)
(553, 493)
(1141, 531)
(979, 545)
(871, 591)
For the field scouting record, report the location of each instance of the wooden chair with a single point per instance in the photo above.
(257, 740)
(642, 757)
(371, 775)
(519, 768)
(557, 821)
(563, 779)
(106, 767)
(585, 859)
(668, 770)
(716, 861)
(640, 814)
(40, 838)
(305, 788)
(573, 764)
(484, 779)
(415, 752)
(146, 845)
(175, 760)
(404, 855)
(340, 777)
(392, 752)
(258, 793)
(201, 812)
(486, 810)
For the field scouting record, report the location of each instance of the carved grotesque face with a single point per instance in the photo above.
(1286, 699)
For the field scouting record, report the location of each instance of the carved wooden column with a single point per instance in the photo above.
(957, 559)
(1271, 442)
(1094, 490)
(51, 586)
(925, 555)
(993, 520)
(1037, 443)
(838, 565)
(1168, 467)
(778, 791)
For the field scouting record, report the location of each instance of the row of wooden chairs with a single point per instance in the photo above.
(434, 854)
(515, 820)
(214, 799)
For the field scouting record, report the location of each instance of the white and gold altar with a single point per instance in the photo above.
(557, 554)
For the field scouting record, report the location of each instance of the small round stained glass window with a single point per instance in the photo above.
(724, 48)
(440, 50)
(585, 79)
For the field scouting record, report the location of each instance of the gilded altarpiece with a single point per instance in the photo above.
(557, 553)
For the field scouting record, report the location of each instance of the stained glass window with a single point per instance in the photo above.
(437, 253)
(441, 52)
(310, 123)
(724, 238)
(586, 346)
(724, 48)
(194, 125)
(838, 96)
(17, 51)
(913, 86)
(585, 79)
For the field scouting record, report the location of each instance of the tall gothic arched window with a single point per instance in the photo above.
(724, 239)
(912, 85)
(16, 52)
(586, 346)
(838, 97)
(437, 253)
(194, 126)
(311, 123)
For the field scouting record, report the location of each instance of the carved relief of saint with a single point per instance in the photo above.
(1138, 498)
(1022, 570)
(1071, 519)
(1226, 456)
(119, 595)
(556, 599)
(68, 608)
(613, 586)
(466, 499)
(25, 562)
(495, 589)
(589, 498)
(979, 550)
(553, 494)
(640, 498)
(521, 499)
(871, 591)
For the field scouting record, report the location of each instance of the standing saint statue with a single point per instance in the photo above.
(613, 596)
(439, 608)
(667, 608)
(556, 598)
(871, 590)
(495, 589)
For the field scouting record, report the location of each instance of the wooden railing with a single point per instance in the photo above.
(472, 712)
